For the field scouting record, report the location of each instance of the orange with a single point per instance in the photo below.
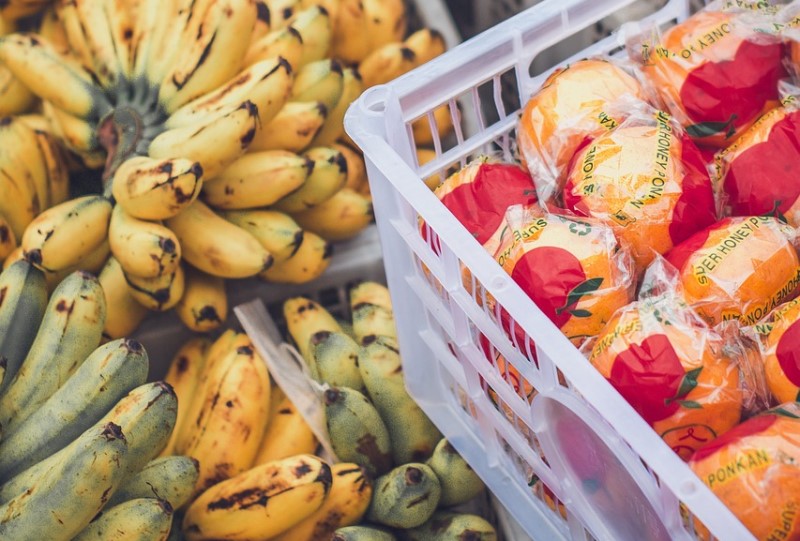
(782, 352)
(646, 180)
(755, 470)
(671, 368)
(739, 268)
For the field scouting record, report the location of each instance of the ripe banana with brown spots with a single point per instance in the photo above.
(143, 248)
(287, 433)
(204, 304)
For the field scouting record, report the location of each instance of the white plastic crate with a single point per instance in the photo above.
(439, 320)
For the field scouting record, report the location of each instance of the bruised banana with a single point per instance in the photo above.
(444, 526)
(263, 20)
(406, 497)
(123, 313)
(371, 306)
(362, 533)
(287, 433)
(341, 217)
(293, 128)
(305, 318)
(310, 261)
(276, 231)
(333, 128)
(459, 481)
(143, 248)
(160, 293)
(327, 177)
(260, 503)
(170, 478)
(204, 304)
(334, 360)
(140, 519)
(281, 11)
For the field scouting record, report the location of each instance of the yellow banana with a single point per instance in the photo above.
(347, 501)
(263, 22)
(287, 433)
(52, 29)
(261, 502)
(267, 84)
(330, 6)
(349, 43)
(8, 241)
(309, 262)
(258, 179)
(78, 134)
(387, 63)
(57, 181)
(427, 44)
(285, 43)
(385, 21)
(321, 81)
(158, 27)
(293, 128)
(87, 23)
(139, 519)
(12, 10)
(281, 12)
(184, 375)
(19, 197)
(204, 304)
(277, 232)
(123, 313)
(326, 178)
(356, 168)
(216, 246)
(315, 27)
(144, 249)
(215, 143)
(151, 189)
(305, 318)
(15, 97)
(65, 234)
(341, 217)
(333, 128)
(160, 293)
(371, 307)
(421, 128)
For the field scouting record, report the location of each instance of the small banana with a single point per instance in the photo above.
(160, 293)
(284, 43)
(56, 171)
(61, 236)
(216, 246)
(341, 217)
(204, 304)
(385, 21)
(326, 178)
(406, 497)
(78, 134)
(23, 182)
(293, 128)
(346, 503)
(348, 41)
(150, 189)
(362, 533)
(281, 12)
(356, 430)
(322, 81)
(158, 27)
(356, 168)
(260, 503)
(421, 128)
(8, 241)
(16, 9)
(427, 44)
(143, 248)
(371, 307)
(258, 179)
(123, 313)
(334, 360)
(287, 433)
(277, 232)
(140, 519)
(447, 526)
(52, 29)
(170, 478)
(15, 97)
(263, 22)
(333, 128)
(314, 23)
(305, 318)
(387, 63)
(459, 481)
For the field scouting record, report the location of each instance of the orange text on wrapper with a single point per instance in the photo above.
(743, 464)
(726, 247)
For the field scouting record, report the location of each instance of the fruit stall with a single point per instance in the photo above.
(396, 270)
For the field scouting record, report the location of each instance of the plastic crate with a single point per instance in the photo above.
(650, 493)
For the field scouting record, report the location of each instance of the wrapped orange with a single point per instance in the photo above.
(572, 104)
(672, 369)
(781, 352)
(739, 268)
(755, 470)
(718, 70)
(647, 180)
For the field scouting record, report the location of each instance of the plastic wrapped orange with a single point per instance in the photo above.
(754, 470)
(572, 104)
(647, 180)
(739, 268)
(672, 369)
(718, 70)
(781, 352)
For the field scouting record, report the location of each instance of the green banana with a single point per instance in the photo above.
(362, 533)
(70, 330)
(405, 497)
(356, 430)
(169, 478)
(71, 492)
(447, 526)
(23, 298)
(334, 360)
(459, 481)
(107, 375)
(412, 434)
(141, 519)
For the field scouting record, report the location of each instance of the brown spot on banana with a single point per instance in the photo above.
(301, 469)
(112, 432)
(64, 306)
(368, 446)
(179, 84)
(4, 233)
(262, 13)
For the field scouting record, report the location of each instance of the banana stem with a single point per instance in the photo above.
(119, 133)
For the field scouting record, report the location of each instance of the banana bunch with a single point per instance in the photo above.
(15, 97)
(81, 428)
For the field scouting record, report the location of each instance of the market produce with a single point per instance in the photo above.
(15, 97)
(170, 478)
(405, 497)
(204, 304)
(339, 218)
(363, 26)
(305, 318)
(334, 359)
(445, 525)
(362, 533)
(141, 518)
(371, 308)
(780, 351)
(123, 312)
(160, 293)
(287, 433)
(458, 480)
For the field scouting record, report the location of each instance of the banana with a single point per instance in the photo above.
(160, 293)
(427, 44)
(214, 142)
(89, 30)
(314, 24)
(8, 241)
(346, 503)
(356, 430)
(63, 235)
(333, 128)
(16, 9)
(362, 533)
(267, 84)
(158, 27)
(216, 246)
(23, 175)
(71, 492)
(341, 217)
(447, 526)
(326, 178)
(204, 304)
(371, 307)
(459, 481)
(258, 179)
(170, 478)
(79, 135)
(57, 173)
(305, 318)
(144, 249)
(406, 497)
(39, 67)
(263, 22)
(371, 293)
(293, 128)
(356, 168)
(150, 189)
(123, 313)
(277, 232)
(348, 42)
(108, 374)
(184, 375)
(330, 6)
(287, 433)
(387, 63)
(281, 12)
(261, 502)
(210, 50)
(52, 29)
(122, 18)
(15, 97)
(334, 360)
(385, 21)
(322, 81)
(70, 330)
(421, 128)
(284, 43)
(311, 260)
(140, 519)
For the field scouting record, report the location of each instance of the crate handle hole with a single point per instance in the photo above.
(374, 100)
(688, 488)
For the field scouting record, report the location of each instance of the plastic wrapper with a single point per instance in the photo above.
(739, 268)
(718, 70)
(754, 470)
(779, 338)
(572, 105)
(647, 180)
